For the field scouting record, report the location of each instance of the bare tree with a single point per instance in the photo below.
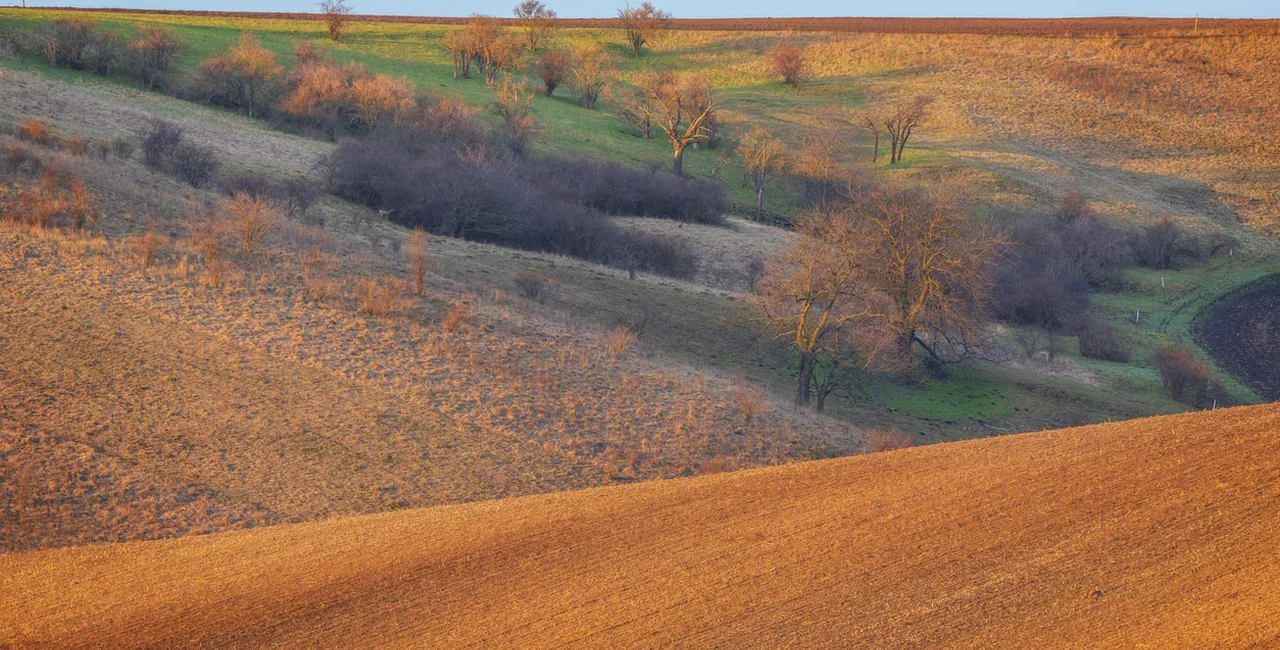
(900, 120)
(553, 66)
(810, 295)
(514, 104)
(461, 47)
(816, 162)
(871, 121)
(642, 24)
(336, 13)
(762, 159)
(930, 270)
(680, 107)
(593, 69)
(536, 21)
(788, 61)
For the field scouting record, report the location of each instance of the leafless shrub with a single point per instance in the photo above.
(513, 104)
(250, 220)
(244, 77)
(750, 400)
(592, 70)
(553, 66)
(1164, 245)
(77, 146)
(1098, 340)
(320, 288)
(151, 56)
(37, 131)
(459, 314)
(159, 140)
(147, 245)
(755, 271)
(788, 61)
(194, 163)
(617, 341)
(1185, 377)
(256, 186)
(535, 286)
(878, 440)
(21, 159)
(417, 255)
(297, 195)
(122, 148)
(381, 297)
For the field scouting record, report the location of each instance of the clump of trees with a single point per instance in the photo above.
(875, 278)
(1187, 379)
(553, 67)
(592, 70)
(80, 45)
(244, 77)
(897, 122)
(332, 99)
(642, 24)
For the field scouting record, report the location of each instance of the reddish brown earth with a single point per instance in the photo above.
(1156, 533)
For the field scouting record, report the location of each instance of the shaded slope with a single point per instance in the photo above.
(1161, 531)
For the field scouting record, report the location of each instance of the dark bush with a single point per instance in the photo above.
(122, 148)
(1099, 340)
(534, 285)
(196, 164)
(256, 186)
(297, 196)
(159, 141)
(151, 55)
(613, 188)
(1164, 245)
(427, 183)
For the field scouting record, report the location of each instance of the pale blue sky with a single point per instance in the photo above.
(745, 8)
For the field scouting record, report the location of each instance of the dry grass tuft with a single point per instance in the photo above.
(147, 245)
(877, 440)
(751, 400)
(37, 131)
(417, 254)
(459, 314)
(381, 297)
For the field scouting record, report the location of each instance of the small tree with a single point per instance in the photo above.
(816, 163)
(788, 61)
(536, 21)
(461, 47)
(871, 123)
(553, 65)
(900, 120)
(762, 159)
(514, 104)
(492, 48)
(336, 13)
(680, 107)
(592, 70)
(642, 24)
(417, 255)
(151, 55)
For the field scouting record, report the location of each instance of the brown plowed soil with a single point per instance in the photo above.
(1157, 533)
(1242, 331)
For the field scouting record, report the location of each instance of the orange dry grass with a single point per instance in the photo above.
(1152, 533)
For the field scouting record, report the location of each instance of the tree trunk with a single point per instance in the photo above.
(806, 377)
(678, 163)
(759, 202)
(906, 345)
(875, 153)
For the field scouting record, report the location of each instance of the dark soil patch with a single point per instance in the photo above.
(1242, 332)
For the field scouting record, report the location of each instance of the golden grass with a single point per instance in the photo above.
(1151, 533)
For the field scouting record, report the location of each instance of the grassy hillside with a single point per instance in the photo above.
(1155, 533)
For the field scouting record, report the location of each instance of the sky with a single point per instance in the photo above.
(741, 8)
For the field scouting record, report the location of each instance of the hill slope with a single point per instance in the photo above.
(1160, 532)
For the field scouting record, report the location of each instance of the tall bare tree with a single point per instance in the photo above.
(462, 48)
(900, 120)
(762, 159)
(681, 107)
(930, 269)
(336, 13)
(871, 122)
(536, 21)
(642, 24)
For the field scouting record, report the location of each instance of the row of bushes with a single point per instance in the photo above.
(419, 180)
(613, 188)
(147, 58)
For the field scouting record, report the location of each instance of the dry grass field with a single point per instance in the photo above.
(1153, 533)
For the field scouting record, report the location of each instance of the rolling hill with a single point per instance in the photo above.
(1152, 533)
